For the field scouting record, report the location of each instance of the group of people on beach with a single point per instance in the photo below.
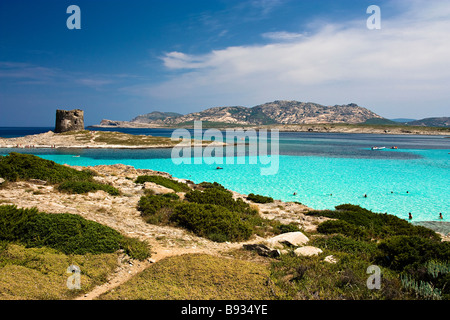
(25, 147)
(31, 146)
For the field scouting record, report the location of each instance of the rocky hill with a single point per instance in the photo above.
(156, 116)
(277, 112)
(431, 122)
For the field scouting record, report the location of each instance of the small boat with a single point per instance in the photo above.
(378, 148)
(219, 168)
(76, 156)
(394, 147)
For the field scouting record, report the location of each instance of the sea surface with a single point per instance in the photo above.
(322, 169)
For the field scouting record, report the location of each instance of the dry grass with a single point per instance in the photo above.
(117, 138)
(40, 273)
(198, 277)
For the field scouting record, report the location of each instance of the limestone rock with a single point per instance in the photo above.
(38, 181)
(290, 238)
(263, 250)
(2, 180)
(330, 259)
(307, 251)
(156, 188)
(72, 120)
(281, 112)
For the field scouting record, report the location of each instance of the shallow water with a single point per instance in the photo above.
(324, 170)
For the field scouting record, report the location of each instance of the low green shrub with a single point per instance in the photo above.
(279, 228)
(81, 187)
(220, 197)
(17, 166)
(150, 204)
(259, 198)
(68, 233)
(309, 278)
(172, 196)
(411, 252)
(135, 248)
(215, 185)
(343, 227)
(156, 209)
(213, 214)
(165, 182)
(422, 289)
(212, 221)
(432, 282)
(377, 225)
(341, 243)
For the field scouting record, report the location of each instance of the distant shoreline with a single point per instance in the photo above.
(91, 140)
(319, 128)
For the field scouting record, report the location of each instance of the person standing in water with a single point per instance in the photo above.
(410, 216)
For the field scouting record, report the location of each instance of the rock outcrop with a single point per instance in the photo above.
(69, 120)
(277, 112)
(307, 251)
(290, 238)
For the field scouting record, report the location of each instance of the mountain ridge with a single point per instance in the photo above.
(431, 122)
(276, 112)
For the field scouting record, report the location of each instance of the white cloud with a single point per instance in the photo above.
(21, 73)
(266, 6)
(94, 83)
(404, 66)
(282, 36)
(25, 71)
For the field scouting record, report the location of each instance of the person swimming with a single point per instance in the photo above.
(365, 195)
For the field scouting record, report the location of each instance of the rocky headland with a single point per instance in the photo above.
(90, 139)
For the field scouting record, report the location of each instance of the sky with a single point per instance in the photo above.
(137, 56)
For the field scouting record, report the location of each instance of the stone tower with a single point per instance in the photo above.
(72, 120)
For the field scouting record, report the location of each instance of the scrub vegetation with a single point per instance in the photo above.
(165, 182)
(198, 277)
(37, 248)
(212, 213)
(17, 166)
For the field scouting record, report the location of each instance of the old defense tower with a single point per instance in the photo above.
(72, 120)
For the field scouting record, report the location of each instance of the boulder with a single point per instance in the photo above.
(156, 188)
(263, 250)
(293, 239)
(307, 251)
(38, 181)
(330, 259)
(2, 180)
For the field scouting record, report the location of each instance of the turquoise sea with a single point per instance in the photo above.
(323, 169)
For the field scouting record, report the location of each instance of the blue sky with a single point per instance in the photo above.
(134, 57)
